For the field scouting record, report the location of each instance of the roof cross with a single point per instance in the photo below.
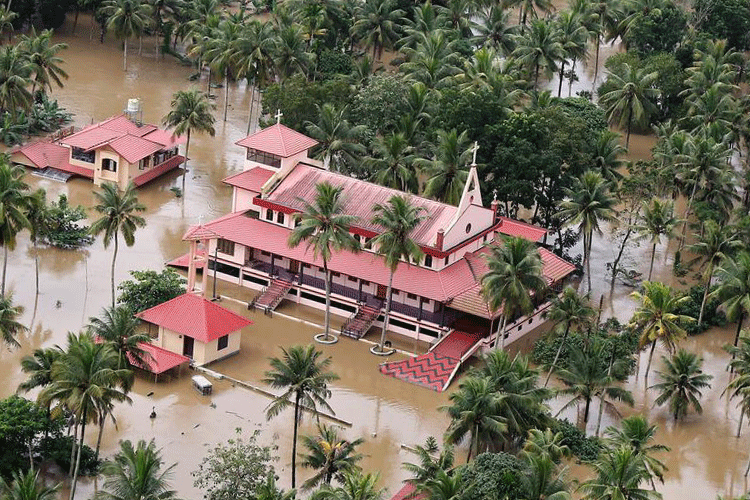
(474, 150)
(278, 115)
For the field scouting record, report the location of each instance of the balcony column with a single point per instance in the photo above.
(272, 260)
(442, 315)
(419, 315)
(301, 272)
(359, 295)
(191, 266)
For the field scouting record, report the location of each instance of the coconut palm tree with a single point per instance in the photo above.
(475, 414)
(15, 78)
(118, 216)
(431, 460)
(515, 272)
(377, 25)
(13, 203)
(657, 220)
(329, 455)
(135, 473)
(190, 110)
(656, 318)
(638, 434)
(84, 380)
(540, 49)
(446, 174)
(336, 137)
(619, 475)
(324, 226)
(355, 486)
(633, 98)
(433, 62)
(739, 386)
(542, 480)
(495, 30)
(573, 39)
(304, 377)
(28, 486)
(10, 328)
(38, 366)
(397, 220)
(588, 203)
(570, 311)
(682, 379)
(447, 487)
(602, 23)
(290, 56)
(221, 54)
(545, 443)
(126, 18)
(733, 274)
(7, 17)
(586, 377)
(714, 243)
(608, 154)
(391, 162)
(44, 59)
(119, 328)
(37, 213)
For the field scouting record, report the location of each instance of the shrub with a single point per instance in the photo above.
(494, 476)
(149, 288)
(58, 449)
(584, 447)
(712, 316)
(63, 228)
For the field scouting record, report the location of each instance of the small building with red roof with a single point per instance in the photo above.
(197, 328)
(120, 149)
(249, 247)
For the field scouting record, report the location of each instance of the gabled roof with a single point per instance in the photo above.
(165, 137)
(195, 317)
(158, 360)
(134, 148)
(250, 180)
(359, 199)
(91, 137)
(44, 154)
(512, 227)
(278, 140)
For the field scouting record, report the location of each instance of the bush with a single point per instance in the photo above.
(494, 476)
(63, 229)
(149, 289)
(584, 447)
(712, 316)
(58, 449)
(332, 62)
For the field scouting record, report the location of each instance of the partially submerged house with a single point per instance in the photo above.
(197, 328)
(120, 149)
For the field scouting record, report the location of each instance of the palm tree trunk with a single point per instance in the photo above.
(36, 266)
(747, 471)
(557, 355)
(387, 312)
(297, 398)
(562, 73)
(5, 266)
(226, 92)
(601, 396)
(73, 448)
(328, 299)
(596, 62)
(650, 356)
(140, 45)
(572, 71)
(651, 267)
(687, 214)
(252, 105)
(586, 412)
(102, 417)
(740, 320)
(536, 77)
(185, 167)
(125, 57)
(587, 256)
(75, 19)
(114, 257)
(705, 292)
(630, 123)
(501, 331)
(616, 262)
(739, 427)
(78, 457)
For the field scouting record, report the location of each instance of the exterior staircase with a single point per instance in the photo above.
(360, 322)
(271, 296)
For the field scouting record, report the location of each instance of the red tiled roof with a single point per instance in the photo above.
(155, 172)
(278, 140)
(44, 154)
(555, 268)
(133, 148)
(75, 169)
(359, 198)
(91, 137)
(512, 227)
(158, 360)
(195, 317)
(407, 493)
(250, 180)
(183, 261)
(165, 137)
(123, 124)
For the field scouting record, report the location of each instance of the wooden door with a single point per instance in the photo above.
(187, 346)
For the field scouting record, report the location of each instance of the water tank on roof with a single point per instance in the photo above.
(134, 105)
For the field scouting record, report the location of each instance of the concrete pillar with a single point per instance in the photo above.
(191, 266)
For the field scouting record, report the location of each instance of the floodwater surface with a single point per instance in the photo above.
(706, 458)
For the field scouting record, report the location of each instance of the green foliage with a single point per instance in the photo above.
(380, 104)
(296, 98)
(51, 13)
(658, 31)
(235, 470)
(712, 316)
(63, 229)
(47, 116)
(613, 335)
(333, 62)
(592, 115)
(494, 476)
(149, 288)
(58, 449)
(21, 422)
(473, 111)
(584, 447)
(671, 82)
(726, 20)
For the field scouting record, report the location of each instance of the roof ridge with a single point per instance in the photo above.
(281, 138)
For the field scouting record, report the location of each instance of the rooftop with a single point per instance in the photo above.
(250, 180)
(278, 140)
(158, 360)
(195, 317)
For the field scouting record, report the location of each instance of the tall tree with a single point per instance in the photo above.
(10, 327)
(682, 379)
(639, 435)
(222, 55)
(619, 475)
(118, 215)
(119, 328)
(608, 154)
(13, 203)
(44, 59)
(391, 162)
(135, 473)
(657, 220)
(28, 486)
(588, 203)
(37, 213)
(446, 173)
(15, 78)
(329, 455)
(431, 460)
(127, 18)
(304, 376)
(515, 272)
(733, 274)
(540, 49)
(397, 220)
(336, 137)
(355, 486)
(38, 367)
(656, 318)
(377, 25)
(633, 98)
(191, 110)
(571, 311)
(324, 226)
(739, 386)
(573, 36)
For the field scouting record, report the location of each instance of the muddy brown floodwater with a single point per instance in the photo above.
(706, 459)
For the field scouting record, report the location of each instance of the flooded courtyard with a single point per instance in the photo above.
(706, 458)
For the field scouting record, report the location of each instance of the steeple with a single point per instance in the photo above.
(472, 194)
